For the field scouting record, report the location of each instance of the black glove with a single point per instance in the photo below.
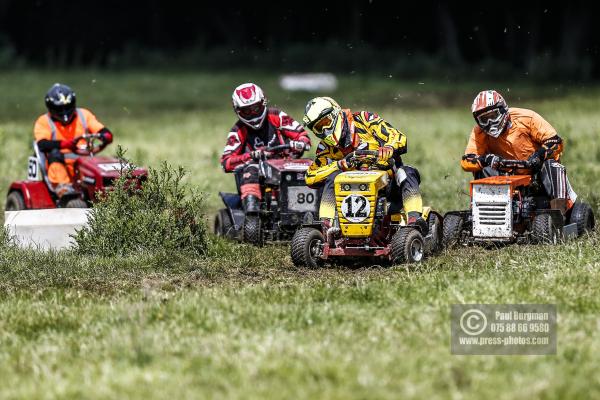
(536, 160)
(491, 160)
(106, 138)
(256, 155)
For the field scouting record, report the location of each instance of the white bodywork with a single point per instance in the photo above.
(45, 229)
(492, 211)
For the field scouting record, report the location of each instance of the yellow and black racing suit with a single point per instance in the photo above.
(369, 131)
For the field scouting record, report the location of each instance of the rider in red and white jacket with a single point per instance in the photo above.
(258, 128)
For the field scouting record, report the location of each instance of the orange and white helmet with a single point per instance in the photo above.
(490, 112)
(250, 104)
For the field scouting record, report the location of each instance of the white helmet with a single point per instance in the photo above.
(250, 104)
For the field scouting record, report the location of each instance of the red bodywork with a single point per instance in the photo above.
(92, 175)
(35, 194)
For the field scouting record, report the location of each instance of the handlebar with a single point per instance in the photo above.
(278, 148)
(514, 164)
(373, 153)
(90, 147)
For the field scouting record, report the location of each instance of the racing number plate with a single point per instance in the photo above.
(302, 199)
(33, 170)
(356, 208)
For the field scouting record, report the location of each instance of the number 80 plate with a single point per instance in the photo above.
(302, 199)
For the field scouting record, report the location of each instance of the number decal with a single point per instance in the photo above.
(33, 173)
(301, 199)
(355, 208)
(308, 198)
(362, 202)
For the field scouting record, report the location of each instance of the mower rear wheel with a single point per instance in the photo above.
(543, 230)
(306, 248)
(76, 203)
(253, 232)
(224, 225)
(15, 201)
(453, 226)
(583, 216)
(407, 246)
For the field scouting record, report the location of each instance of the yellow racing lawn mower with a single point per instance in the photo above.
(366, 226)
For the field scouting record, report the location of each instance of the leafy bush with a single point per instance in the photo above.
(164, 216)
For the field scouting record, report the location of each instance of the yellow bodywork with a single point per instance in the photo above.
(349, 183)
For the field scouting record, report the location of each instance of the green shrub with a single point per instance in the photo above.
(164, 217)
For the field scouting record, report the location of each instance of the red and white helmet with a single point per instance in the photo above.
(490, 112)
(250, 104)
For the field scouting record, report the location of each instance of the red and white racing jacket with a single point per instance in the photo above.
(278, 128)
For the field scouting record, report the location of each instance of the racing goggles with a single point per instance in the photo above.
(490, 117)
(251, 111)
(325, 126)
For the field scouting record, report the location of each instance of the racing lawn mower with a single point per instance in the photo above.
(512, 208)
(286, 201)
(366, 224)
(93, 175)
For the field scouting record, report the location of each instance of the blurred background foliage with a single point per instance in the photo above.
(533, 40)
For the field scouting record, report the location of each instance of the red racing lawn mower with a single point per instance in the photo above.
(514, 208)
(286, 203)
(93, 175)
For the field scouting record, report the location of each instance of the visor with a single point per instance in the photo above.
(63, 113)
(251, 111)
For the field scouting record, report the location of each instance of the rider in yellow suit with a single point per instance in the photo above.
(341, 132)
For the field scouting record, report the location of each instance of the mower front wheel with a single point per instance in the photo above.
(15, 201)
(253, 232)
(435, 236)
(407, 246)
(76, 203)
(452, 230)
(543, 230)
(306, 248)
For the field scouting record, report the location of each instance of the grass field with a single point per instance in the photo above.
(243, 323)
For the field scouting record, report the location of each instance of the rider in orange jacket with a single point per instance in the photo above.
(56, 130)
(519, 134)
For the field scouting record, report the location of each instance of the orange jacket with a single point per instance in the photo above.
(527, 133)
(84, 121)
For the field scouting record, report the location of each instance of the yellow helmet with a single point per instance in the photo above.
(323, 116)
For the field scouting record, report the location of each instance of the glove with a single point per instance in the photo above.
(491, 160)
(297, 146)
(106, 138)
(257, 155)
(472, 158)
(346, 165)
(385, 153)
(68, 144)
(536, 160)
